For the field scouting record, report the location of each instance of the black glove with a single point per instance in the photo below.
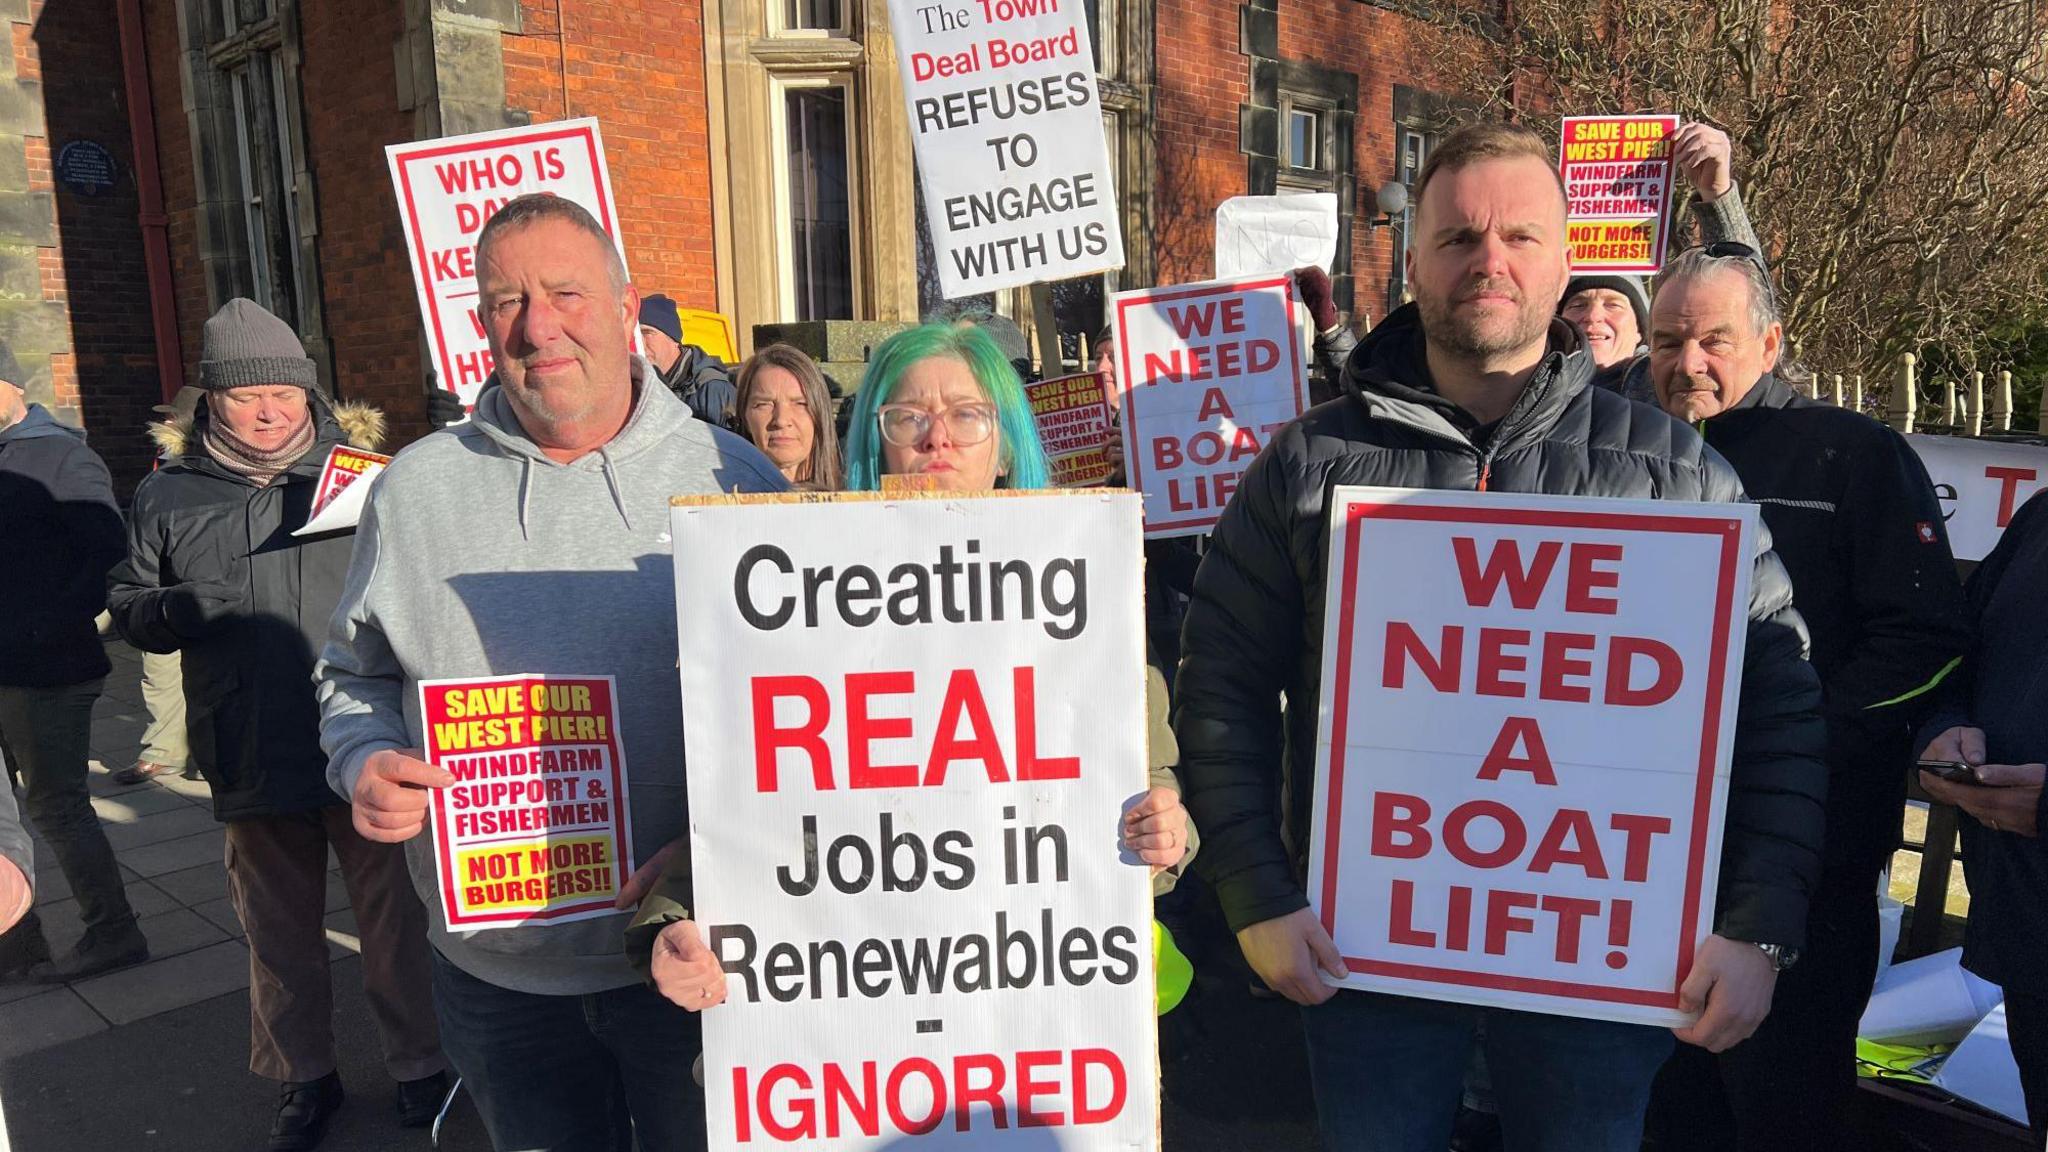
(193, 610)
(444, 407)
(1314, 285)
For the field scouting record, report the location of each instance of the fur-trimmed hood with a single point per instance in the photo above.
(362, 425)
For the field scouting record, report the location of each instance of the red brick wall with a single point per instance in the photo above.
(638, 66)
(1382, 49)
(348, 86)
(1203, 78)
(95, 268)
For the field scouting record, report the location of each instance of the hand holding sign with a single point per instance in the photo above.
(686, 971)
(1287, 952)
(390, 797)
(1156, 828)
(1707, 158)
(1730, 986)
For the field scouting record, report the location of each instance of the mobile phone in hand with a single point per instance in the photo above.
(1953, 771)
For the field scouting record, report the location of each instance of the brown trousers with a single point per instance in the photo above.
(277, 878)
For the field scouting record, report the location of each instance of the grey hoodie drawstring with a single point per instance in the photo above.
(525, 494)
(611, 480)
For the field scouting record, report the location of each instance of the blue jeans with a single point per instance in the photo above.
(573, 1073)
(1389, 1070)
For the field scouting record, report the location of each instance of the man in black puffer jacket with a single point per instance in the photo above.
(1858, 527)
(1473, 387)
(216, 573)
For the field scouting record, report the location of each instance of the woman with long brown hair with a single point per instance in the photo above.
(784, 408)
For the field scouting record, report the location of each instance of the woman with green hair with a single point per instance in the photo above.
(940, 401)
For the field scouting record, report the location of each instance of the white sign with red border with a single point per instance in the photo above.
(1980, 484)
(448, 188)
(1524, 743)
(1209, 371)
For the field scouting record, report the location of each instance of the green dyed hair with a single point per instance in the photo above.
(1023, 457)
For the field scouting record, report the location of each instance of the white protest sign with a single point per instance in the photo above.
(1980, 483)
(342, 490)
(912, 725)
(1210, 371)
(1522, 764)
(448, 188)
(1007, 126)
(1256, 235)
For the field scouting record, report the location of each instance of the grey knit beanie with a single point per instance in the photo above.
(244, 345)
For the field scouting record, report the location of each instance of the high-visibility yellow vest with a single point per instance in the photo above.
(1172, 974)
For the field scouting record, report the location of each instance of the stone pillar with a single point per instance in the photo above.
(32, 327)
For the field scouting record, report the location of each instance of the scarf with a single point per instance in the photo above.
(245, 459)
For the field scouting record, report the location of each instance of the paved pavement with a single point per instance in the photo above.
(156, 1057)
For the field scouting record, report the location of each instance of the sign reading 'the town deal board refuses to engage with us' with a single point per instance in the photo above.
(912, 726)
(1007, 126)
(535, 829)
(1528, 708)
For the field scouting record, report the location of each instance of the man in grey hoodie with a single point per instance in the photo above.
(534, 539)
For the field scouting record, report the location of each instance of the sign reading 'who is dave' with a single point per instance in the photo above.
(911, 726)
(1522, 777)
(448, 188)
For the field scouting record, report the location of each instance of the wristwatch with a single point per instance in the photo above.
(1781, 956)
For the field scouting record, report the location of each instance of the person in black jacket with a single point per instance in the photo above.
(1474, 386)
(215, 572)
(1993, 716)
(61, 531)
(1854, 518)
(698, 378)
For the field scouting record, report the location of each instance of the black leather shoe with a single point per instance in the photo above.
(97, 952)
(22, 948)
(303, 1110)
(419, 1101)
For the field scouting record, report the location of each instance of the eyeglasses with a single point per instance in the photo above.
(906, 425)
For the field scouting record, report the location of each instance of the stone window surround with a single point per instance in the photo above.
(743, 57)
(206, 54)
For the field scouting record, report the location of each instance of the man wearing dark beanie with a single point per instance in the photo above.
(61, 531)
(698, 378)
(215, 573)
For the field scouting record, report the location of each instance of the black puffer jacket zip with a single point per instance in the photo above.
(1255, 625)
